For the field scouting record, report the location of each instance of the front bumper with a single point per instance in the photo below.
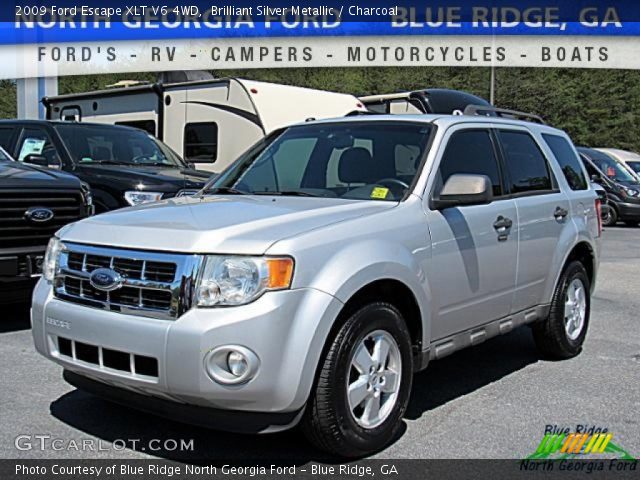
(286, 330)
(628, 211)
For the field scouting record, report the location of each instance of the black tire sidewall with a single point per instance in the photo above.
(613, 217)
(574, 271)
(369, 319)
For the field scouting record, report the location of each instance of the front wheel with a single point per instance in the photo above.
(609, 216)
(363, 385)
(563, 332)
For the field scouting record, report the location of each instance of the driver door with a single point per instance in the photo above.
(474, 255)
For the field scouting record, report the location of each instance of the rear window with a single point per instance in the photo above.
(201, 142)
(568, 160)
(526, 165)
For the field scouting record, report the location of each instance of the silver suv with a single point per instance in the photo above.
(313, 277)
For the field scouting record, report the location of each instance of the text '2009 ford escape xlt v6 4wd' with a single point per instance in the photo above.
(322, 269)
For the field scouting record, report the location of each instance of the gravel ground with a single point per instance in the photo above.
(491, 401)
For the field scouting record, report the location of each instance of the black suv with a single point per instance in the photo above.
(623, 189)
(34, 204)
(124, 166)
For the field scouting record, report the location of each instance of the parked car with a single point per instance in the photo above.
(34, 204)
(623, 188)
(629, 159)
(322, 269)
(124, 166)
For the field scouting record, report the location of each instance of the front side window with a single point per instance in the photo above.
(35, 142)
(635, 166)
(6, 134)
(568, 160)
(95, 144)
(201, 142)
(360, 161)
(470, 152)
(526, 165)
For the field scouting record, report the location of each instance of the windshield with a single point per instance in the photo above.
(610, 167)
(360, 161)
(91, 144)
(635, 166)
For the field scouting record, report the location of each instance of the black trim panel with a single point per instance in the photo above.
(226, 420)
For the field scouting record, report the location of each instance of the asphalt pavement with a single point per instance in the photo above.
(491, 401)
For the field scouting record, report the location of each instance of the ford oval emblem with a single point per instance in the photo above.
(106, 279)
(39, 215)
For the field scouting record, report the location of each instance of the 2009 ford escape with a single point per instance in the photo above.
(334, 259)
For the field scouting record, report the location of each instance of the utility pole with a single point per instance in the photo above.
(30, 92)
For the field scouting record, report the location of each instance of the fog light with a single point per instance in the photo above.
(237, 364)
(231, 365)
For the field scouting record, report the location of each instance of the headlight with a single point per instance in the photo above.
(241, 280)
(137, 198)
(50, 263)
(631, 192)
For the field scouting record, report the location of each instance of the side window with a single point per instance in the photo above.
(6, 134)
(526, 165)
(201, 142)
(568, 160)
(35, 142)
(471, 152)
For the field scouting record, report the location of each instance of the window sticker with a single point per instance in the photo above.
(380, 193)
(31, 146)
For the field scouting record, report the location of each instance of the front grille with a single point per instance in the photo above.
(17, 231)
(155, 285)
(107, 358)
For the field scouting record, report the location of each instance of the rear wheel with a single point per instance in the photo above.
(363, 385)
(563, 332)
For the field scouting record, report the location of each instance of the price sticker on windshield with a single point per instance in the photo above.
(380, 193)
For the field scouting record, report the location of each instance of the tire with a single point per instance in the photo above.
(631, 224)
(553, 337)
(329, 422)
(610, 218)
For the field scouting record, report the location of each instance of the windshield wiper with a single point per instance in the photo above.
(287, 193)
(225, 191)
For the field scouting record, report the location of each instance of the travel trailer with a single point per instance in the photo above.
(431, 100)
(208, 122)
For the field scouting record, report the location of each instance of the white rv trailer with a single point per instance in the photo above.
(209, 122)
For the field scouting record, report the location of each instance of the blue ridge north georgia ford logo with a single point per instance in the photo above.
(106, 279)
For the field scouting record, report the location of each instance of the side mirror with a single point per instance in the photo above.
(596, 178)
(462, 190)
(42, 161)
(191, 165)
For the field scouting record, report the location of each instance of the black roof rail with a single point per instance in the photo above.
(485, 111)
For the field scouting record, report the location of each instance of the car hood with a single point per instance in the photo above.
(217, 224)
(165, 179)
(19, 175)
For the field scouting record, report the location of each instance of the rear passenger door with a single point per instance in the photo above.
(473, 253)
(543, 213)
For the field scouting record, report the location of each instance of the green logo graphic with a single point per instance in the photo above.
(575, 445)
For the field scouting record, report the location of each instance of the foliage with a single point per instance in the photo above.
(596, 107)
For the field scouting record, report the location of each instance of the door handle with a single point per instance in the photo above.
(502, 224)
(561, 213)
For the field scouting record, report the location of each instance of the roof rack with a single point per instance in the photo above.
(503, 113)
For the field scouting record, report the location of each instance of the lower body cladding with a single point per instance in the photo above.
(182, 369)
